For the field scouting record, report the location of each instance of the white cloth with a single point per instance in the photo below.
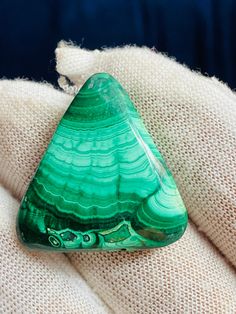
(192, 120)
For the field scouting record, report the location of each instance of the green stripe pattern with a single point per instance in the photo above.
(102, 184)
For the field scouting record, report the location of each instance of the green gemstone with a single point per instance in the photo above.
(101, 184)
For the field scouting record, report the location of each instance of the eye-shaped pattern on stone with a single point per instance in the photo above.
(102, 184)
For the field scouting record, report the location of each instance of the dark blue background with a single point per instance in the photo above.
(200, 33)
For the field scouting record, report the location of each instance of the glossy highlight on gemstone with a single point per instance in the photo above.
(102, 184)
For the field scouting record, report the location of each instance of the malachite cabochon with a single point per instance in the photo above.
(102, 183)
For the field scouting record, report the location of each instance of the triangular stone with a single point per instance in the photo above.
(101, 184)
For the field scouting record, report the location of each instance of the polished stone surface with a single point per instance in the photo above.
(102, 183)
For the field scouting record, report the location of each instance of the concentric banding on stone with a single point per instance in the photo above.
(101, 169)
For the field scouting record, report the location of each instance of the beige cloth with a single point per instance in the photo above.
(192, 120)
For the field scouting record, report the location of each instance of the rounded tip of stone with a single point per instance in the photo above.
(97, 82)
(100, 101)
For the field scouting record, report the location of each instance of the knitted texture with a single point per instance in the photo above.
(192, 120)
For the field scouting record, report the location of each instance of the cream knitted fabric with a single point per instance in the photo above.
(191, 118)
